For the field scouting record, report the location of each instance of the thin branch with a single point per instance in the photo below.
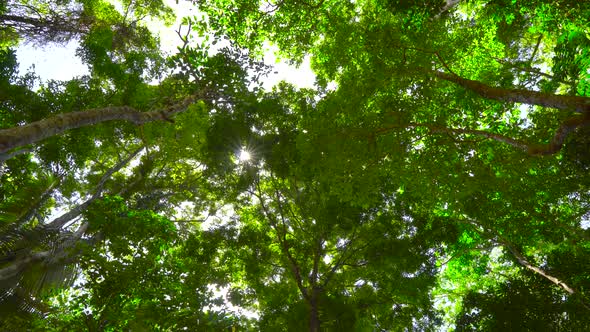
(127, 10)
(522, 260)
(536, 49)
(295, 269)
(6, 156)
(185, 38)
(440, 58)
(344, 257)
(60, 221)
(530, 70)
(552, 147)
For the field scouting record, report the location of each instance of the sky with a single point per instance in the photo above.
(59, 62)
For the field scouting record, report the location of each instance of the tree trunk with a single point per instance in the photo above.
(60, 255)
(524, 262)
(552, 147)
(46, 27)
(314, 314)
(558, 282)
(36, 131)
(62, 220)
(14, 269)
(573, 103)
(4, 19)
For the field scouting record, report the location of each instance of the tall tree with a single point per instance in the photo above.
(44, 22)
(435, 179)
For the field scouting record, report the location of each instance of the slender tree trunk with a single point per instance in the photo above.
(36, 131)
(315, 290)
(61, 255)
(17, 266)
(524, 262)
(314, 313)
(60, 221)
(5, 19)
(552, 147)
(560, 283)
(573, 103)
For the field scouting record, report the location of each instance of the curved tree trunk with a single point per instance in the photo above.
(552, 147)
(574, 103)
(558, 282)
(39, 130)
(62, 220)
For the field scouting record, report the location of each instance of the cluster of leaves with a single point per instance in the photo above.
(409, 197)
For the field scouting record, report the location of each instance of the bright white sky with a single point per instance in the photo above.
(51, 62)
(60, 62)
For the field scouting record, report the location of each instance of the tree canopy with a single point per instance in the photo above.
(436, 178)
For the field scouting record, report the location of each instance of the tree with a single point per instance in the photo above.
(44, 22)
(440, 183)
(36, 131)
(432, 97)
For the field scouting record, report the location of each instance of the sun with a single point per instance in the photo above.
(244, 155)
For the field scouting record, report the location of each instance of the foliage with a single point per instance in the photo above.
(436, 177)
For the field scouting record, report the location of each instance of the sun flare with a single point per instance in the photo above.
(244, 155)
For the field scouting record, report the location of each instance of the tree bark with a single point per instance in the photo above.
(560, 283)
(573, 103)
(314, 314)
(60, 221)
(524, 262)
(21, 263)
(552, 147)
(39, 130)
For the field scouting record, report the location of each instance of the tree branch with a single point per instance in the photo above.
(523, 261)
(6, 156)
(536, 49)
(552, 147)
(294, 267)
(39, 130)
(37, 204)
(574, 103)
(60, 221)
